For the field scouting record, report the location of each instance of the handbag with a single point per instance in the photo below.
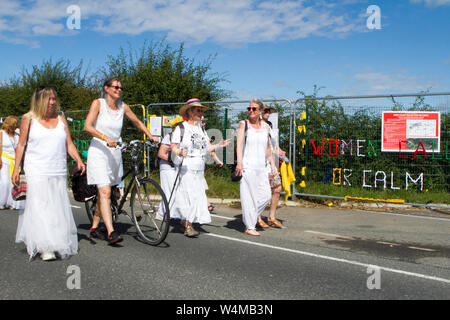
(19, 192)
(234, 176)
(80, 188)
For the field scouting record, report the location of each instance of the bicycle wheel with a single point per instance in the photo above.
(146, 198)
(90, 208)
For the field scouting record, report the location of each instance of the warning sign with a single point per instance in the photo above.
(405, 130)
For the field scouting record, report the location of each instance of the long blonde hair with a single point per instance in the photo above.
(39, 102)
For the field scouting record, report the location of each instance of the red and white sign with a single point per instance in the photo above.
(405, 130)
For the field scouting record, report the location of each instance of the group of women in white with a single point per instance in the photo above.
(46, 224)
(255, 163)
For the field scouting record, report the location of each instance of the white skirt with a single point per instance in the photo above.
(47, 224)
(6, 200)
(167, 178)
(189, 198)
(104, 164)
(255, 195)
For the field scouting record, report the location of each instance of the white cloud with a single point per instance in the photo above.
(382, 83)
(230, 23)
(432, 3)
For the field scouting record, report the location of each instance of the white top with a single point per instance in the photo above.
(196, 141)
(255, 149)
(9, 143)
(163, 164)
(46, 152)
(109, 121)
(104, 164)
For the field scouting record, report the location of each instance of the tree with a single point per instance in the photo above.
(70, 82)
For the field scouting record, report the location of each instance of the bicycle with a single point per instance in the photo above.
(146, 198)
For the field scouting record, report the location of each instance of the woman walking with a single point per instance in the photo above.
(190, 202)
(8, 143)
(46, 225)
(104, 162)
(252, 151)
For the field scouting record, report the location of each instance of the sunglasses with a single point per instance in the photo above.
(116, 87)
(252, 109)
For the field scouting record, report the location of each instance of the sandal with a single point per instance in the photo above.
(274, 223)
(262, 224)
(253, 233)
(211, 208)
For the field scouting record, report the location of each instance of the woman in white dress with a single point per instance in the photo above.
(8, 143)
(46, 225)
(190, 202)
(167, 171)
(104, 162)
(252, 151)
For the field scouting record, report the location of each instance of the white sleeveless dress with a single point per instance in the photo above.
(189, 199)
(104, 164)
(47, 224)
(254, 186)
(8, 147)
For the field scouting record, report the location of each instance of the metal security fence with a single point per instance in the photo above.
(335, 144)
(382, 148)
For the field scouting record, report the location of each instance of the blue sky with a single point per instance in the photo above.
(266, 49)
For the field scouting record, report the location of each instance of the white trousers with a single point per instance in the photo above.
(167, 178)
(255, 195)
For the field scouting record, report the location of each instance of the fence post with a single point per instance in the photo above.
(225, 126)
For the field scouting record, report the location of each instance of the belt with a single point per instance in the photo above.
(11, 167)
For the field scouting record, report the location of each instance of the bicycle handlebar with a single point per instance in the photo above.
(136, 143)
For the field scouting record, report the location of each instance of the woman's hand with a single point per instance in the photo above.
(81, 166)
(155, 139)
(110, 142)
(15, 178)
(239, 169)
(182, 152)
(224, 143)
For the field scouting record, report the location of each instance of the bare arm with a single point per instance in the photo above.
(239, 147)
(163, 152)
(20, 147)
(138, 123)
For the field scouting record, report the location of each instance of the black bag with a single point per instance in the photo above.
(81, 190)
(234, 177)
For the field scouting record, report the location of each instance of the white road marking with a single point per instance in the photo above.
(222, 217)
(423, 249)
(329, 234)
(356, 263)
(404, 215)
(75, 207)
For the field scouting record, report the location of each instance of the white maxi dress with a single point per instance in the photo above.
(254, 186)
(104, 164)
(46, 224)
(189, 200)
(8, 153)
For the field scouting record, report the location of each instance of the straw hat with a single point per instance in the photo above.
(190, 104)
(271, 109)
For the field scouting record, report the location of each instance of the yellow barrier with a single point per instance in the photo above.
(346, 198)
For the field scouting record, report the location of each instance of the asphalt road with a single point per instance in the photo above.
(320, 254)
